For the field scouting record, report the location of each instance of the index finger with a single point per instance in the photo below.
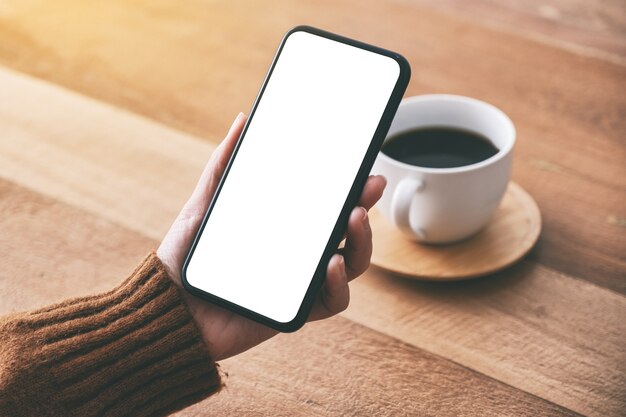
(372, 191)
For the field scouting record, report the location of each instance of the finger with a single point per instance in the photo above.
(214, 169)
(177, 241)
(358, 248)
(372, 191)
(335, 294)
(229, 142)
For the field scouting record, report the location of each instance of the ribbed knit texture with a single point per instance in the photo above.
(133, 351)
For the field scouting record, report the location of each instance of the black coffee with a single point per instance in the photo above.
(439, 147)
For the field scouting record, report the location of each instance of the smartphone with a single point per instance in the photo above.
(297, 171)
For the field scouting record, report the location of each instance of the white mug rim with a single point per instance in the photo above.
(457, 99)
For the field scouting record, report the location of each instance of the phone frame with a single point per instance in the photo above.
(350, 202)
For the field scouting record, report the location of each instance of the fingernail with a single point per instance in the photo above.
(383, 178)
(342, 265)
(239, 117)
(364, 220)
(363, 214)
(235, 122)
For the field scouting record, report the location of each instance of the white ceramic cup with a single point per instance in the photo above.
(443, 205)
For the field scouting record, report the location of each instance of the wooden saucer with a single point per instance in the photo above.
(512, 232)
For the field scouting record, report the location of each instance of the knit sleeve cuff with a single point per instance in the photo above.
(132, 351)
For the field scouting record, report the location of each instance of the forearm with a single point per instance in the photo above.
(132, 351)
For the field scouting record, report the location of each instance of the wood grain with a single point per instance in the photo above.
(530, 327)
(56, 251)
(94, 255)
(194, 65)
(126, 168)
(594, 28)
(509, 236)
(361, 373)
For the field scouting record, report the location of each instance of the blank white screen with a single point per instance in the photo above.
(294, 169)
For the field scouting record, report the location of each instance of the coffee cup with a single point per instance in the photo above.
(445, 204)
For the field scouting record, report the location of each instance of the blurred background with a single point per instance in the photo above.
(110, 109)
(194, 64)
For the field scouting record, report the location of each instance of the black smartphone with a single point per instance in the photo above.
(297, 171)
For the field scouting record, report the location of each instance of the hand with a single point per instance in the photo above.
(227, 333)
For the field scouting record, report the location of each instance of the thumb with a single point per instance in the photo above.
(178, 239)
(214, 169)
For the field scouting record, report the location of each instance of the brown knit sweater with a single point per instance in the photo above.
(133, 351)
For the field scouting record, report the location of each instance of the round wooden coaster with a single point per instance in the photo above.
(512, 232)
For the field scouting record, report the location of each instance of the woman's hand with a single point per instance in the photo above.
(227, 333)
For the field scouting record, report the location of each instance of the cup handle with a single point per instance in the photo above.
(401, 207)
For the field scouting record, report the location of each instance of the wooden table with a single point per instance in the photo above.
(109, 110)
